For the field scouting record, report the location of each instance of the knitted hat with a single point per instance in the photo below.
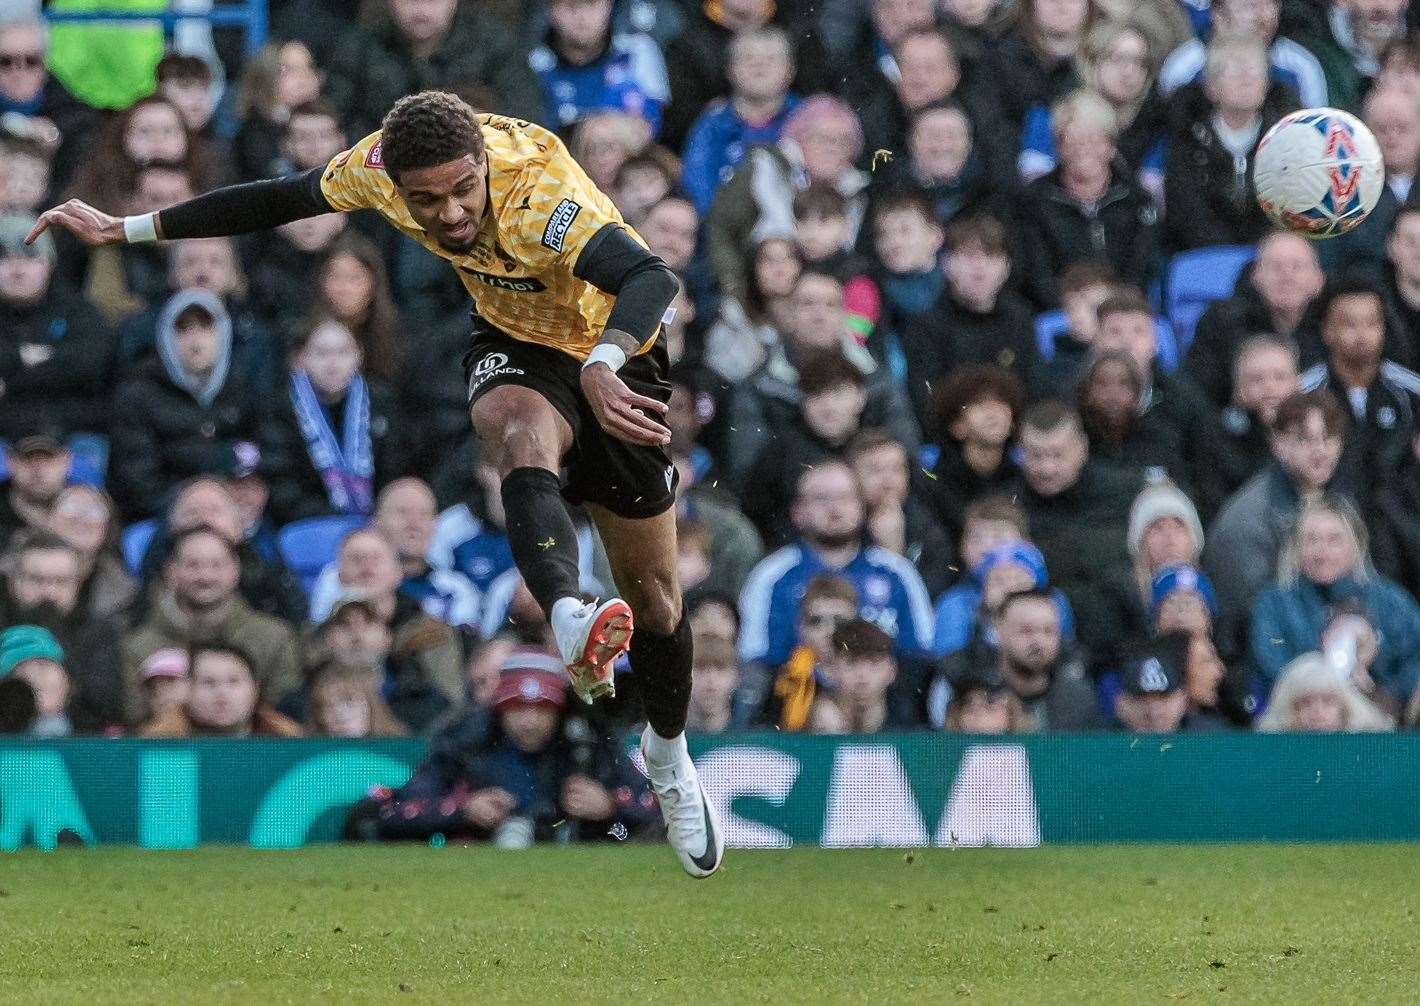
(27, 642)
(1181, 576)
(1019, 553)
(1162, 499)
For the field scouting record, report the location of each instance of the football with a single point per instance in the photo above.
(1318, 172)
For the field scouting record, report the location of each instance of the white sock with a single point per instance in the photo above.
(661, 751)
(564, 608)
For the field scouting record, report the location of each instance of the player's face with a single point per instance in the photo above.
(448, 200)
(1354, 328)
(1265, 377)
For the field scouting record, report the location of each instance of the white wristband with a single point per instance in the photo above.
(141, 229)
(604, 352)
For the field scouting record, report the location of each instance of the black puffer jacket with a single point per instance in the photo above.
(73, 384)
(1207, 200)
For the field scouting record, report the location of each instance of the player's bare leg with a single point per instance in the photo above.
(642, 553)
(526, 439)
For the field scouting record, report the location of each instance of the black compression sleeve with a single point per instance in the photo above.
(643, 284)
(239, 209)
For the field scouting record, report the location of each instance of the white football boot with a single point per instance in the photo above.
(692, 826)
(591, 637)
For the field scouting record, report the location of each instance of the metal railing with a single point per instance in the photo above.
(250, 15)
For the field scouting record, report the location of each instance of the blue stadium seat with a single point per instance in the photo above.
(306, 546)
(1196, 279)
(135, 542)
(1052, 323)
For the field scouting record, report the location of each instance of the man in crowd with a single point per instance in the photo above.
(28, 89)
(38, 464)
(407, 515)
(1290, 62)
(1264, 376)
(713, 681)
(858, 675)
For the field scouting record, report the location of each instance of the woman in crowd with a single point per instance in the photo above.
(1312, 697)
(739, 340)
(1328, 597)
(344, 702)
(353, 288)
(84, 517)
(1036, 64)
(333, 441)
(1110, 397)
(280, 77)
(1164, 530)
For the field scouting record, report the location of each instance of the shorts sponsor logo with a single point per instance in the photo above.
(491, 366)
(555, 234)
(376, 157)
(517, 284)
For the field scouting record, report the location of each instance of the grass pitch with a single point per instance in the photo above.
(421, 925)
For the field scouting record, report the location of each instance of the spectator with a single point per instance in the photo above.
(692, 540)
(369, 565)
(1084, 287)
(56, 353)
(224, 700)
(823, 231)
(283, 263)
(1035, 64)
(761, 69)
(353, 288)
(1310, 697)
(828, 514)
(898, 520)
(988, 523)
(586, 66)
(540, 774)
(1164, 530)
(186, 413)
(1394, 118)
(830, 414)
(977, 410)
(1183, 600)
(982, 704)
(410, 45)
(858, 673)
(282, 76)
(84, 518)
(1401, 276)
(345, 704)
(1291, 64)
(714, 678)
(1328, 597)
(602, 143)
(440, 447)
(1119, 429)
(167, 685)
(264, 583)
(311, 137)
(818, 325)
(194, 89)
(1349, 38)
(643, 181)
(334, 442)
(1383, 395)
(1272, 296)
(28, 89)
(713, 614)
(1155, 698)
(1208, 186)
(907, 244)
(1400, 67)
(1085, 210)
(38, 465)
(740, 339)
(1117, 64)
(1182, 417)
(198, 603)
(1395, 521)
(32, 655)
(1006, 568)
(697, 61)
(26, 172)
(1078, 512)
(1246, 538)
(973, 322)
(1264, 376)
(1041, 669)
(406, 513)
(43, 589)
(471, 537)
(820, 144)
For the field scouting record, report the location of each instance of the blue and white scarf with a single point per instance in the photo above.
(347, 465)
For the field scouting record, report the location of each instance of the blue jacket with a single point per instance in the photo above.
(630, 76)
(890, 594)
(718, 142)
(467, 545)
(959, 610)
(1288, 621)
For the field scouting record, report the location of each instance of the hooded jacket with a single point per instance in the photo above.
(169, 425)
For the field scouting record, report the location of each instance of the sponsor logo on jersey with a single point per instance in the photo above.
(517, 284)
(555, 234)
(376, 157)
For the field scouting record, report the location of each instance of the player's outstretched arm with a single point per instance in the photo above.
(233, 209)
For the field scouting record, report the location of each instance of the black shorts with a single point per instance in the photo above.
(630, 480)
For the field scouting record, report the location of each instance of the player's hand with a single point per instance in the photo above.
(91, 226)
(489, 807)
(622, 412)
(586, 799)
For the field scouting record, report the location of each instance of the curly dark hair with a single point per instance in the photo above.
(429, 128)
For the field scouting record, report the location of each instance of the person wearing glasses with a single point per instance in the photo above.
(27, 89)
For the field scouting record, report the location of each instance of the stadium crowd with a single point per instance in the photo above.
(952, 456)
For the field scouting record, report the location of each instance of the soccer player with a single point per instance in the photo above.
(565, 370)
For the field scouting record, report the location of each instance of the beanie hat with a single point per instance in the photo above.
(1018, 553)
(1162, 499)
(27, 642)
(1179, 576)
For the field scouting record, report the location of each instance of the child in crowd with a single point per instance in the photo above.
(822, 231)
(714, 678)
(166, 683)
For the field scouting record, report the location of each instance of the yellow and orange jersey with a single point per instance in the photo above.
(542, 211)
